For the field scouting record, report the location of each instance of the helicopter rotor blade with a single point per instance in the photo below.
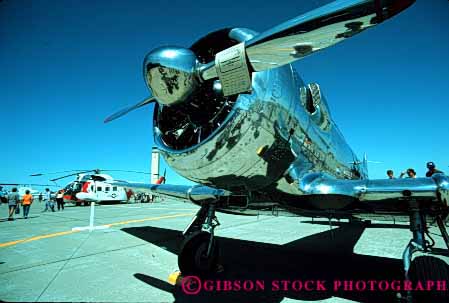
(126, 110)
(26, 184)
(74, 174)
(77, 172)
(57, 172)
(127, 171)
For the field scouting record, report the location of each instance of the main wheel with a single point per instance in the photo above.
(429, 268)
(193, 258)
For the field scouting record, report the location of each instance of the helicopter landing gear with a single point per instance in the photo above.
(420, 265)
(199, 251)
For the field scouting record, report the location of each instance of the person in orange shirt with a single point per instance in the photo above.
(27, 200)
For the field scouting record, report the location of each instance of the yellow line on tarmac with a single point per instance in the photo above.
(37, 238)
(63, 233)
(148, 219)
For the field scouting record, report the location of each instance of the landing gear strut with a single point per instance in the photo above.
(199, 251)
(420, 265)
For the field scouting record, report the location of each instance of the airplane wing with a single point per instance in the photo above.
(318, 191)
(436, 187)
(195, 193)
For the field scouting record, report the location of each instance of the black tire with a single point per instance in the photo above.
(192, 259)
(429, 268)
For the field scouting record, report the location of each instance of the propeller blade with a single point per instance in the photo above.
(126, 110)
(313, 31)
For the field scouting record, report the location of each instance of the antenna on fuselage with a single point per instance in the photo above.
(366, 161)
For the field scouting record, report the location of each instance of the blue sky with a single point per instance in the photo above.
(66, 65)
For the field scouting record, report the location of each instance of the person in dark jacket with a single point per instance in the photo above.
(60, 199)
(432, 169)
(13, 202)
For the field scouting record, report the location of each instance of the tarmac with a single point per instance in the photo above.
(43, 258)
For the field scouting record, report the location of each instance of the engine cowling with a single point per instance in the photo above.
(187, 124)
(230, 142)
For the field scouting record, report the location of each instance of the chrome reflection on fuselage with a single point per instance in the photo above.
(270, 139)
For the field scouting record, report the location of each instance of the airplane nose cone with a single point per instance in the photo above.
(170, 73)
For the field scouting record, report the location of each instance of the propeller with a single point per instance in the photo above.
(173, 74)
(126, 110)
(313, 31)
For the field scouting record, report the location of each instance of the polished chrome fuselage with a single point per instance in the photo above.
(272, 119)
(284, 160)
(279, 151)
(258, 138)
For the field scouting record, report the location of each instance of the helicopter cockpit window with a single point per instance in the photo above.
(86, 178)
(99, 188)
(107, 188)
(114, 188)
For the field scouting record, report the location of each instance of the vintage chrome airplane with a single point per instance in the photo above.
(233, 115)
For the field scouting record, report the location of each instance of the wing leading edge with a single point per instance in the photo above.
(434, 188)
(319, 192)
(195, 193)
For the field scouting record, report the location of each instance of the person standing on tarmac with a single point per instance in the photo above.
(60, 199)
(13, 201)
(432, 169)
(27, 200)
(48, 202)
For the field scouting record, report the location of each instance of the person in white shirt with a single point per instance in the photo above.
(49, 204)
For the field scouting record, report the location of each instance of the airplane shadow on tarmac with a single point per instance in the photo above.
(324, 256)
